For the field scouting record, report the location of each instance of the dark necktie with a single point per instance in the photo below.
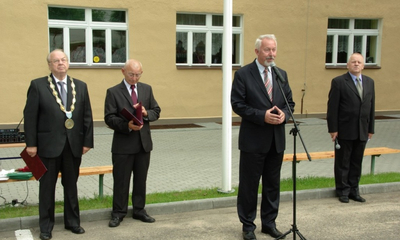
(359, 87)
(133, 95)
(268, 83)
(63, 93)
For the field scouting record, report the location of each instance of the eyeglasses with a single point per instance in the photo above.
(134, 75)
(62, 60)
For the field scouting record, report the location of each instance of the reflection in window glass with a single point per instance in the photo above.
(99, 46)
(342, 49)
(366, 24)
(218, 20)
(338, 23)
(118, 46)
(77, 46)
(108, 16)
(181, 47)
(329, 49)
(372, 45)
(56, 38)
(217, 48)
(190, 19)
(73, 14)
(199, 54)
(236, 49)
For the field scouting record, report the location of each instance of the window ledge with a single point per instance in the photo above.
(345, 67)
(180, 67)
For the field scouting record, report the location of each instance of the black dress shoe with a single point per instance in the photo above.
(143, 217)
(45, 236)
(357, 198)
(273, 232)
(115, 221)
(249, 236)
(76, 230)
(344, 199)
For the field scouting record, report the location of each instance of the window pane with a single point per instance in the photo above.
(99, 46)
(108, 16)
(366, 24)
(199, 54)
(118, 46)
(77, 45)
(181, 47)
(190, 19)
(329, 49)
(217, 48)
(371, 49)
(357, 44)
(338, 23)
(342, 49)
(236, 49)
(56, 38)
(218, 20)
(67, 14)
(236, 21)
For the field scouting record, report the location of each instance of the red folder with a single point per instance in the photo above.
(137, 118)
(34, 164)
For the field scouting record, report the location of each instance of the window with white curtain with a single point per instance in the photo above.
(90, 37)
(199, 39)
(347, 36)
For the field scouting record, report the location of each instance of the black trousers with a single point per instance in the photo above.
(348, 166)
(253, 166)
(68, 165)
(123, 167)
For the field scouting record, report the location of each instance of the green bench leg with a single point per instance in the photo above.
(101, 178)
(373, 163)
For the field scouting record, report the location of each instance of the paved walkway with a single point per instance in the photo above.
(188, 158)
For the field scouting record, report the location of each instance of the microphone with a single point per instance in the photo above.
(277, 72)
(337, 146)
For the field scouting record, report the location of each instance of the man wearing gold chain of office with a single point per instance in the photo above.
(58, 126)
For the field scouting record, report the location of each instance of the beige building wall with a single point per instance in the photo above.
(195, 94)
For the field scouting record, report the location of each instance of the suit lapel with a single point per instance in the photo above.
(350, 83)
(125, 92)
(257, 79)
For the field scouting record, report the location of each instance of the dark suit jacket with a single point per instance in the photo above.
(250, 100)
(124, 140)
(347, 114)
(44, 121)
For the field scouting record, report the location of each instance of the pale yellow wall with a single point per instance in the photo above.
(300, 27)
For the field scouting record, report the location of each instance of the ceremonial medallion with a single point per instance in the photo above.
(69, 123)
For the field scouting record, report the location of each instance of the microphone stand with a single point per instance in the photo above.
(294, 131)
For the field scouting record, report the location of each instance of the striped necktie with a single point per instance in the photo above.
(268, 83)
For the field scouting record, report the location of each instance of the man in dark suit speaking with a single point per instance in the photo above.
(131, 143)
(257, 99)
(351, 118)
(59, 129)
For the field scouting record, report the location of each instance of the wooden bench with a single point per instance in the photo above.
(83, 171)
(373, 152)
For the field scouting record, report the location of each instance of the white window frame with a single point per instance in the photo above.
(208, 29)
(351, 32)
(88, 25)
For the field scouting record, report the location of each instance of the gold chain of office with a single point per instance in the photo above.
(69, 123)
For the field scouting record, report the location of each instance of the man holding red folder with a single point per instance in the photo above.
(59, 129)
(132, 142)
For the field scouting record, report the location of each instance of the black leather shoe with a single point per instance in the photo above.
(344, 199)
(76, 230)
(273, 232)
(115, 221)
(357, 198)
(249, 236)
(143, 217)
(45, 236)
